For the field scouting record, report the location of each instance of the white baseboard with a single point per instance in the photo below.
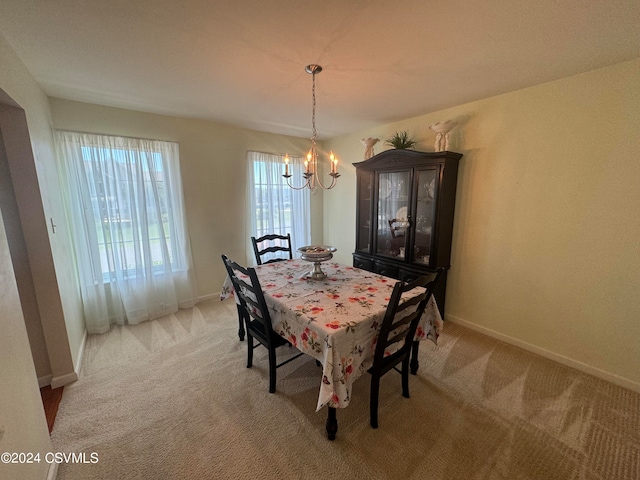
(53, 471)
(208, 297)
(69, 377)
(78, 366)
(569, 362)
(64, 380)
(44, 381)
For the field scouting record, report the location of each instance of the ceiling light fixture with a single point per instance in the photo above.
(312, 180)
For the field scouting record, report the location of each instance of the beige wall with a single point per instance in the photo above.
(23, 426)
(213, 168)
(35, 182)
(21, 266)
(545, 252)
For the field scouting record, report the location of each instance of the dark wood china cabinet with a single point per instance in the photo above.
(404, 214)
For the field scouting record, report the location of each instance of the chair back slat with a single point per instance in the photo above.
(402, 322)
(273, 250)
(244, 285)
(411, 302)
(283, 245)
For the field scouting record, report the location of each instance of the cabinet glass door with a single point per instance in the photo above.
(425, 214)
(363, 209)
(393, 213)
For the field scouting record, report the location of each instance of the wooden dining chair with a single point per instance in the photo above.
(398, 329)
(277, 243)
(256, 317)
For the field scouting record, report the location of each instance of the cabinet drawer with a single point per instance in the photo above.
(363, 264)
(386, 270)
(408, 276)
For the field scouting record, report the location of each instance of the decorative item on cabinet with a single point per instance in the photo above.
(442, 138)
(404, 214)
(368, 144)
(400, 140)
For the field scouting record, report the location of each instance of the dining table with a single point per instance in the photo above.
(334, 320)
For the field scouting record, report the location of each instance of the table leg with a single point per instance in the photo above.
(332, 424)
(414, 357)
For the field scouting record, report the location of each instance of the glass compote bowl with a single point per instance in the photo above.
(317, 254)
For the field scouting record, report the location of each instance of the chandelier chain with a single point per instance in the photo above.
(313, 105)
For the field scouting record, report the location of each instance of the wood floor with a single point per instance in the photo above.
(51, 401)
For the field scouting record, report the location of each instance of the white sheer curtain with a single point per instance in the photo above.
(128, 225)
(273, 206)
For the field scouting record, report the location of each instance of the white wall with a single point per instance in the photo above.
(213, 167)
(545, 251)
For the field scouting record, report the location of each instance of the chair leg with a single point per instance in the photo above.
(249, 350)
(240, 323)
(414, 357)
(373, 401)
(405, 377)
(272, 370)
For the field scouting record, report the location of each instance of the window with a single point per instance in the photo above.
(128, 226)
(126, 186)
(274, 207)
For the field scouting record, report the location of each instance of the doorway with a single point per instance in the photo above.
(29, 249)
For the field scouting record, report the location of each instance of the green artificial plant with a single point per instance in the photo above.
(400, 140)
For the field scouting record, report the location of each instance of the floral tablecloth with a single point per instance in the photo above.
(335, 320)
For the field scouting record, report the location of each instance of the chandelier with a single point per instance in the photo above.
(312, 180)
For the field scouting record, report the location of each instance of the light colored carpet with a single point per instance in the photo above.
(173, 399)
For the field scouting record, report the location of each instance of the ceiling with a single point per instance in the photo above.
(241, 62)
